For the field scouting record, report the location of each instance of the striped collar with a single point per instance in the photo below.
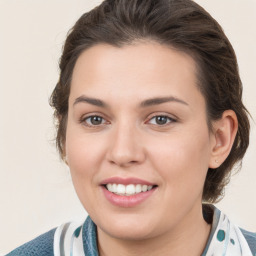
(80, 239)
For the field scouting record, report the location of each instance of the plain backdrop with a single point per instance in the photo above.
(36, 193)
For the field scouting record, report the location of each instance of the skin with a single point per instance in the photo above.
(128, 142)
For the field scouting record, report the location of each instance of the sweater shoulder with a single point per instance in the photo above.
(40, 246)
(251, 239)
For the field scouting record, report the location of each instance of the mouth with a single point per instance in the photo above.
(128, 190)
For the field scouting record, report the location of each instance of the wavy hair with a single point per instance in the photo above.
(183, 25)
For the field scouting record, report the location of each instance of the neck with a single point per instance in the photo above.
(193, 232)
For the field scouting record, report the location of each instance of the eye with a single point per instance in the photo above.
(93, 120)
(161, 120)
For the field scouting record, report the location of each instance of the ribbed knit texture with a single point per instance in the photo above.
(251, 240)
(40, 246)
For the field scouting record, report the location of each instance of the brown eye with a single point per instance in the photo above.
(94, 120)
(161, 120)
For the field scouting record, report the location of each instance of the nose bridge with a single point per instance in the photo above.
(125, 146)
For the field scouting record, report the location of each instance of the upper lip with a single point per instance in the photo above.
(126, 181)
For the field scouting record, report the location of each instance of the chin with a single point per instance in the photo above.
(128, 228)
(130, 234)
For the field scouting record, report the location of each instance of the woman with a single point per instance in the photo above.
(150, 122)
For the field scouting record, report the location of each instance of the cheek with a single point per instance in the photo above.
(83, 151)
(182, 159)
(82, 156)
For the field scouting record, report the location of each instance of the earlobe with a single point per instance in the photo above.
(224, 133)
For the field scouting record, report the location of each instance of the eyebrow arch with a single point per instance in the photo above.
(92, 101)
(145, 103)
(160, 100)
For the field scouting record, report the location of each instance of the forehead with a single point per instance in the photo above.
(140, 70)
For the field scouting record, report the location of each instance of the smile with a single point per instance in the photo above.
(128, 190)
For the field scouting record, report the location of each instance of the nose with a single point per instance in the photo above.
(125, 148)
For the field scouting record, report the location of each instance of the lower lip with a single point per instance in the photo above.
(127, 201)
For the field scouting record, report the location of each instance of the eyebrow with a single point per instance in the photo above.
(92, 101)
(145, 103)
(161, 100)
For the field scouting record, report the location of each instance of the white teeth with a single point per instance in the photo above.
(150, 187)
(114, 188)
(144, 188)
(127, 190)
(130, 189)
(138, 188)
(120, 189)
(109, 187)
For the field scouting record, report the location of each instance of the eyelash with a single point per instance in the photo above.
(166, 117)
(83, 120)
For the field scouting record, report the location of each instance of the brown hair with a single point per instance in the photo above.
(185, 26)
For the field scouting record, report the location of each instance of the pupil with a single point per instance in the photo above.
(96, 120)
(161, 120)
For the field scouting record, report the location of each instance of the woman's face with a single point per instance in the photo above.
(136, 117)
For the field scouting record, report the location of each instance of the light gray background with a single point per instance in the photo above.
(36, 193)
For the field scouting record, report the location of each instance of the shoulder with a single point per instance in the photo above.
(250, 238)
(70, 238)
(40, 246)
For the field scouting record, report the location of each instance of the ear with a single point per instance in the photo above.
(224, 133)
